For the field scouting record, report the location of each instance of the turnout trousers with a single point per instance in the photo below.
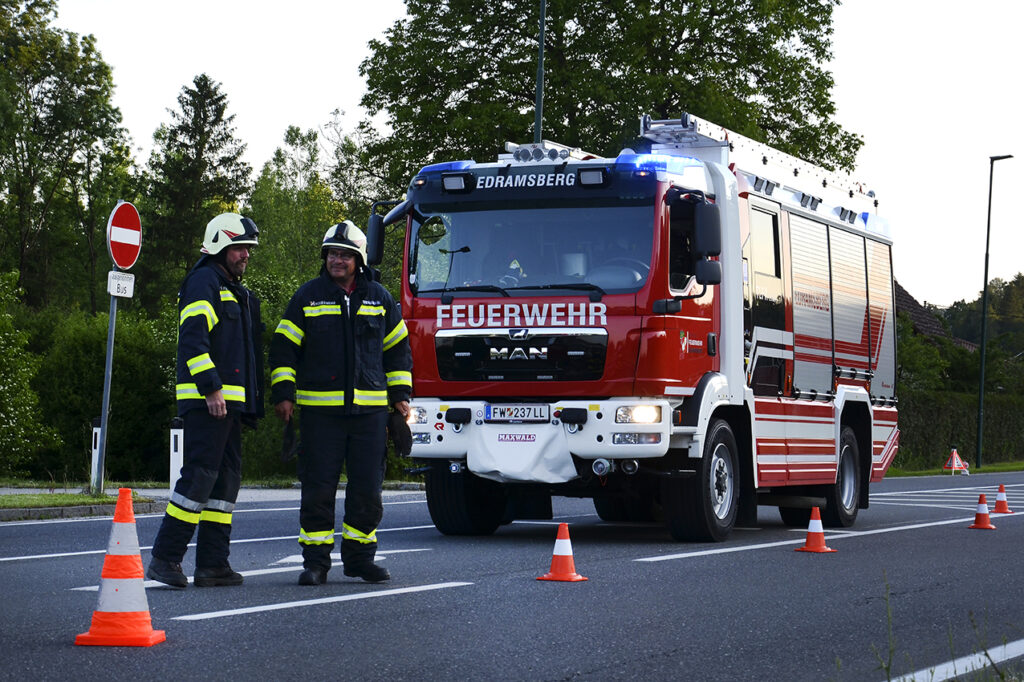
(205, 494)
(328, 442)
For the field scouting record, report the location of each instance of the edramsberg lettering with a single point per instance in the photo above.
(526, 180)
(463, 315)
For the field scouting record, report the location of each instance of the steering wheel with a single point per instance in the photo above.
(641, 267)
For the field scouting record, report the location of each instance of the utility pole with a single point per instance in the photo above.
(539, 102)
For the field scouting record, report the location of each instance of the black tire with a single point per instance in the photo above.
(795, 517)
(842, 498)
(463, 503)
(703, 508)
(611, 508)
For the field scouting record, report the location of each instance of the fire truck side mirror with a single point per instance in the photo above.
(708, 272)
(375, 239)
(707, 230)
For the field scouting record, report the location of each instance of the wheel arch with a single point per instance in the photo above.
(857, 416)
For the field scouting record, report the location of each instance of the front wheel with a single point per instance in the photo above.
(841, 498)
(704, 507)
(464, 503)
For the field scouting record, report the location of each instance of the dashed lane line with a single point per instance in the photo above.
(316, 602)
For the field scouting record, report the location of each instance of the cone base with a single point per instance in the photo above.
(817, 550)
(982, 526)
(149, 639)
(997, 510)
(562, 577)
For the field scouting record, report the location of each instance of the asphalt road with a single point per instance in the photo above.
(910, 588)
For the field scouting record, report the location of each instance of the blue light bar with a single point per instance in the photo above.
(658, 162)
(447, 166)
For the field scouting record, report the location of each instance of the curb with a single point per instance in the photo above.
(36, 513)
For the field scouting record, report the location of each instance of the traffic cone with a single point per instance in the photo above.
(1001, 506)
(122, 617)
(815, 535)
(563, 568)
(981, 519)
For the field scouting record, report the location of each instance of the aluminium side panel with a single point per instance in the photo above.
(883, 319)
(850, 321)
(812, 306)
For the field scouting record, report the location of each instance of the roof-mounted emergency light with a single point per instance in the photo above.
(544, 151)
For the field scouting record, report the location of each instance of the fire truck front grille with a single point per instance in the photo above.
(521, 354)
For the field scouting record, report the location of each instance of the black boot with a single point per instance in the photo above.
(217, 577)
(369, 571)
(313, 576)
(167, 573)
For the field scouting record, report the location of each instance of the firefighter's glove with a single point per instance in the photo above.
(289, 443)
(398, 431)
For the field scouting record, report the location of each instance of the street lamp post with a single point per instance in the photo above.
(984, 309)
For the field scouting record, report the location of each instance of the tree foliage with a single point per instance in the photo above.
(456, 78)
(196, 172)
(54, 106)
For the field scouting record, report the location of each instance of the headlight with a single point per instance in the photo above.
(638, 414)
(417, 415)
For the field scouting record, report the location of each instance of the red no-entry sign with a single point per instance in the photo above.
(124, 235)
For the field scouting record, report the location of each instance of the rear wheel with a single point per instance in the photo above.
(464, 503)
(704, 507)
(841, 498)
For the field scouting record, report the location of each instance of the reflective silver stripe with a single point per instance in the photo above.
(236, 393)
(186, 503)
(122, 595)
(124, 540)
(397, 334)
(350, 533)
(327, 398)
(316, 537)
(220, 505)
(226, 295)
(279, 374)
(318, 310)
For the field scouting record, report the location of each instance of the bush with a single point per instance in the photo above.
(934, 422)
(70, 385)
(22, 434)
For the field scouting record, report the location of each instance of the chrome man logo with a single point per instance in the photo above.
(517, 437)
(520, 353)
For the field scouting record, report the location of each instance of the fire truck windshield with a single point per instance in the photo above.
(541, 248)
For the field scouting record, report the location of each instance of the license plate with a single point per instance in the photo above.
(517, 413)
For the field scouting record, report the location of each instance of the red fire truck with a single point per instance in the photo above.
(684, 331)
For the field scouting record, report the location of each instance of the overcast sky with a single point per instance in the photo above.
(934, 89)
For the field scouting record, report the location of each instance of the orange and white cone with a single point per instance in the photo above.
(563, 568)
(1001, 506)
(815, 535)
(981, 519)
(122, 617)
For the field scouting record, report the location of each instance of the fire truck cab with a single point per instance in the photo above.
(681, 332)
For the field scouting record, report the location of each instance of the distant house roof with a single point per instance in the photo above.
(924, 321)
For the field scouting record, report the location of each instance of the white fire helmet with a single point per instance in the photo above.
(229, 229)
(345, 235)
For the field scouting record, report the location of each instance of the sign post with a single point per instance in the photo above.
(124, 241)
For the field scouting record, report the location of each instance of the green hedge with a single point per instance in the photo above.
(932, 423)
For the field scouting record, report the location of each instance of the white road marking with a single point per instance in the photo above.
(336, 556)
(317, 602)
(966, 664)
(829, 535)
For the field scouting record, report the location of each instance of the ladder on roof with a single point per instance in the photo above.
(689, 133)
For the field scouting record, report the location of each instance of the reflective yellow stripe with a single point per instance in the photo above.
(397, 334)
(370, 397)
(226, 295)
(350, 533)
(199, 308)
(187, 391)
(200, 363)
(290, 331)
(318, 310)
(181, 514)
(399, 378)
(231, 392)
(215, 516)
(322, 398)
(190, 391)
(316, 537)
(370, 310)
(279, 374)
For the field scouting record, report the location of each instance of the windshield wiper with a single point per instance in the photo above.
(596, 292)
(446, 296)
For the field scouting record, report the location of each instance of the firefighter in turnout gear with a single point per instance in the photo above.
(219, 388)
(341, 353)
